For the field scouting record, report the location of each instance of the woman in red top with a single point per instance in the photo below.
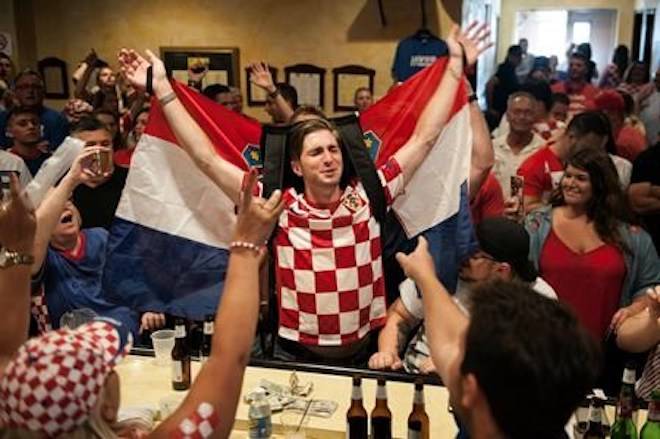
(583, 256)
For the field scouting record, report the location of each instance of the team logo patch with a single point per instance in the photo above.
(252, 155)
(353, 202)
(373, 143)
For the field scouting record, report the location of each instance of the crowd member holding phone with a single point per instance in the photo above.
(101, 344)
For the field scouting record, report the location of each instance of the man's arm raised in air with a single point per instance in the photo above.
(190, 136)
(437, 110)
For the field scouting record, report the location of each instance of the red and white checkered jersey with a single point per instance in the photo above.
(329, 272)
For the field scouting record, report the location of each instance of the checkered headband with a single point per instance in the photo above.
(54, 381)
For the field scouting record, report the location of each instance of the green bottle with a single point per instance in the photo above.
(651, 429)
(624, 427)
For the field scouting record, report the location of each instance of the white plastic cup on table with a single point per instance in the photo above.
(163, 343)
(292, 427)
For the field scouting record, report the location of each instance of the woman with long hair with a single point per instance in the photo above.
(585, 247)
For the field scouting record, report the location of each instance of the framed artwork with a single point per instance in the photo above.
(56, 79)
(222, 63)
(309, 82)
(347, 79)
(256, 97)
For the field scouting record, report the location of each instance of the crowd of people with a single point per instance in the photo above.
(564, 188)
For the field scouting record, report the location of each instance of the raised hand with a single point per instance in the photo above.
(474, 41)
(256, 216)
(261, 77)
(134, 67)
(419, 263)
(17, 219)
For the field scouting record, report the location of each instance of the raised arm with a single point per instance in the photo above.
(483, 156)
(190, 136)
(17, 227)
(220, 380)
(82, 75)
(261, 77)
(470, 43)
(446, 325)
(49, 211)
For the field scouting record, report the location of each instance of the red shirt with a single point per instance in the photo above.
(580, 98)
(542, 172)
(629, 143)
(489, 201)
(123, 157)
(590, 283)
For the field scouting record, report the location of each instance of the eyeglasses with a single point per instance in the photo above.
(484, 256)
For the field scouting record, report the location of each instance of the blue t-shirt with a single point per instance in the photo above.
(55, 128)
(415, 53)
(74, 281)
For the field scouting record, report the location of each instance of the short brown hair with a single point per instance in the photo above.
(300, 130)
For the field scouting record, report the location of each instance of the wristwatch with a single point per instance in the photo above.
(10, 258)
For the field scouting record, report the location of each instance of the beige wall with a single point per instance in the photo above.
(327, 33)
(7, 21)
(624, 26)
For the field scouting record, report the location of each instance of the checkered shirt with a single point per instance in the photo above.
(329, 273)
(201, 424)
(54, 381)
(39, 310)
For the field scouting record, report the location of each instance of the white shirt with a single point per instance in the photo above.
(12, 162)
(507, 162)
(624, 169)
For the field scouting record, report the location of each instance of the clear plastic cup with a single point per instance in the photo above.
(293, 424)
(163, 343)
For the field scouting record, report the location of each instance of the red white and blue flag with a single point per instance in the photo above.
(168, 247)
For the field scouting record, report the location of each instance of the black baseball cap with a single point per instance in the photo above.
(507, 241)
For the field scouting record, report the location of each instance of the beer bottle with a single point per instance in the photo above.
(624, 427)
(651, 429)
(207, 338)
(180, 357)
(356, 417)
(595, 428)
(418, 421)
(381, 416)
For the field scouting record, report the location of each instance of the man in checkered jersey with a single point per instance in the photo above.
(329, 279)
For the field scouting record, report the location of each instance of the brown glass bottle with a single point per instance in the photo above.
(357, 420)
(207, 338)
(381, 416)
(180, 357)
(418, 420)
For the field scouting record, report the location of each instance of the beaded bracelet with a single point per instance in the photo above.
(245, 244)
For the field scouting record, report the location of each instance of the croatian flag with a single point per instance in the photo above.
(168, 245)
(436, 200)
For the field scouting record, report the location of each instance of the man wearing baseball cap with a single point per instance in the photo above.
(503, 254)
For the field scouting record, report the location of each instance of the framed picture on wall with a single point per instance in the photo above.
(256, 96)
(56, 79)
(222, 64)
(347, 79)
(309, 82)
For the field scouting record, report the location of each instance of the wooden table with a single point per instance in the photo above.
(143, 383)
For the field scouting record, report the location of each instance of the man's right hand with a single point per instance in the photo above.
(80, 171)
(419, 263)
(261, 77)
(134, 67)
(385, 360)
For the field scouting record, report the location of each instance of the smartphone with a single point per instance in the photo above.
(517, 184)
(5, 183)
